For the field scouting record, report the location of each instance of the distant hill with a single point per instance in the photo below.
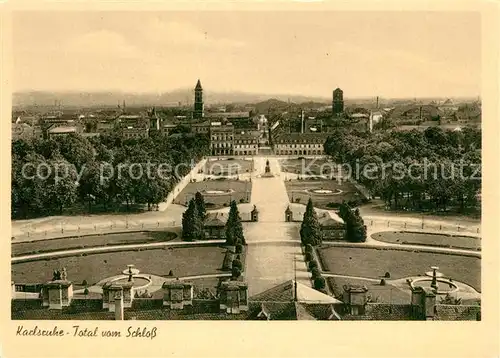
(113, 99)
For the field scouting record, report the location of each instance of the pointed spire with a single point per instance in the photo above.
(198, 85)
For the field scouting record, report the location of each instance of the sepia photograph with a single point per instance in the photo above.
(175, 165)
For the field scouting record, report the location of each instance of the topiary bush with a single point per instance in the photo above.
(84, 283)
(237, 263)
(236, 272)
(387, 275)
(313, 264)
(170, 273)
(315, 272)
(86, 291)
(308, 256)
(239, 248)
(382, 282)
(319, 283)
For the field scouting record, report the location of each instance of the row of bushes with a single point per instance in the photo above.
(318, 280)
(232, 261)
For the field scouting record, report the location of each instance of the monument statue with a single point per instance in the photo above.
(56, 275)
(64, 274)
(267, 170)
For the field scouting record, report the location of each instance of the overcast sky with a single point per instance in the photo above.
(391, 54)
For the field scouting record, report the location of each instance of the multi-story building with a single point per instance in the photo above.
(134, 133)
(246, 143)
(134, 126)
(221, 138)
(300, 143)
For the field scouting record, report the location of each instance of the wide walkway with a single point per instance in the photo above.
(273, 246)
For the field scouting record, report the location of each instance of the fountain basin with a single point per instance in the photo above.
(445, 286)
(324, 191)
(217, 192)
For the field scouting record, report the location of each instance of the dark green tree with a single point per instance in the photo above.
(355, 227)
(192, 227)
(237, 263)
(234, 229)
(200, 205)
(319, 283)
(310, 230)
(236, 272)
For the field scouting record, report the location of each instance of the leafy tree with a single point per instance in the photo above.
(234, 229)
(61, 185)
(310, 231)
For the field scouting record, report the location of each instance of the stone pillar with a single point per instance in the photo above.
(255, 214)
(423, 303)
(128, 294)
(233, 297)
(57, 294)
(430, 305)
(417, 302)
(118, 306)
(177, 294)
(288, 215)
(355, 298)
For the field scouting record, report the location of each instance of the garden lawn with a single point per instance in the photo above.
(308, 166)
(26, 248)
(233, 190)
(227, 167)
(185, 261)
(400, 237)
(373, 263)
(298, 192)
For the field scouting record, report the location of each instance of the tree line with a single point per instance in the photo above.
(98, 173)
(193, 220)
(310, 229)
(442, 168)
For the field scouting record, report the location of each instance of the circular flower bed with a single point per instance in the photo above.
(324, 191)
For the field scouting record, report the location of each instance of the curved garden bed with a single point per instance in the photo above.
(429, 239)
(88, 241)
(373, 263)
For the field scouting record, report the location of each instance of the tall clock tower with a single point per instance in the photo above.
(198, 101)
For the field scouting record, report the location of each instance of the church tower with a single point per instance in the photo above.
(338, 102)
(198, 101)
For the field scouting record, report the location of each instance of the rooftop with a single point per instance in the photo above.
(277, 303)
(62, 129)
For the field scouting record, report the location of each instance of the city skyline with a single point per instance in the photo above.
(307, 55)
